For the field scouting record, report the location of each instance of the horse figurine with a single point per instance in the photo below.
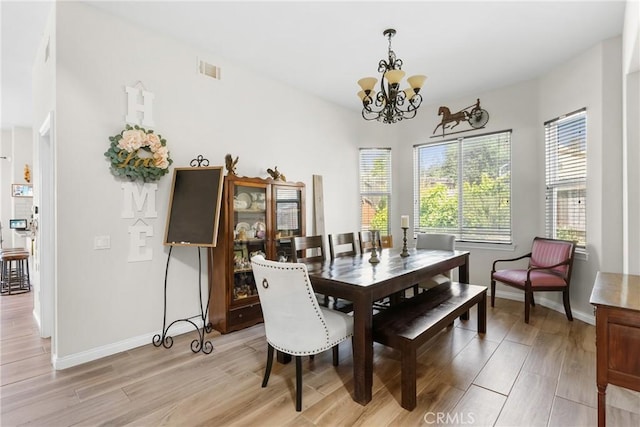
(447, 117)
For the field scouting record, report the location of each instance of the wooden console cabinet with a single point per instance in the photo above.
(616, 298)
(258, 216)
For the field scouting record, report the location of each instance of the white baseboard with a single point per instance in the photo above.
(110, 349)
(553, 305)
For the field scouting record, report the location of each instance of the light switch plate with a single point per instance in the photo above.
(101, 242)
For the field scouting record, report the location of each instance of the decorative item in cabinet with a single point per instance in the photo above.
(258, 216)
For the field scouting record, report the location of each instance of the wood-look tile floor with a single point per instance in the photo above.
(516, 374)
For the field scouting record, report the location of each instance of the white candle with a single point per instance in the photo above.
(404, 221)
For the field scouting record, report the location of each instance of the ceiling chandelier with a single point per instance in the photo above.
(390, 104)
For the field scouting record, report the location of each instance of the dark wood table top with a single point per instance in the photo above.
(358, 271)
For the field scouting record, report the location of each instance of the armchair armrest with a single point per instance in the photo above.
(547, 267)
(493, 267)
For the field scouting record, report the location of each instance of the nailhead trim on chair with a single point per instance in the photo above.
(312, 297)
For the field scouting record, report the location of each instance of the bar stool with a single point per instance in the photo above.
(14, 271)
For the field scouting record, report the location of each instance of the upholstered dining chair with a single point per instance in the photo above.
(365, 241)
(294, 322)
(549, 269)
(435, 241)
(342, 244)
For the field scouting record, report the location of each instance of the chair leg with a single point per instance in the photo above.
(567, 304)
(267, 369)
(527, 306)
(298, 383)
(493, 293)
(336, 355)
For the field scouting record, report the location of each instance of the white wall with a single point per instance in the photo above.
(631, 137)
(17, 147)
(590, 80)
(5, 184)
(104, 302)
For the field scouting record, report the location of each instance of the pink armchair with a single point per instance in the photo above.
(550, 265)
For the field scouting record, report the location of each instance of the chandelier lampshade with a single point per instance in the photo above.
(390, 104)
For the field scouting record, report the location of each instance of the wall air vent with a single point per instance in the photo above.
(209, 70)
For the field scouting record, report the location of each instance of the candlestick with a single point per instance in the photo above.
(374, 254)
(404, 221)
(405, 252)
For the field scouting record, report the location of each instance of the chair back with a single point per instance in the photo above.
(386, 241)
(342, 244)
(548, 252)
(293, 320)
(308, 249)
(366, 242)
(443, 242)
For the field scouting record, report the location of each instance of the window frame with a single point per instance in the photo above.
(504, 238)
(554, 184)
(375, 193)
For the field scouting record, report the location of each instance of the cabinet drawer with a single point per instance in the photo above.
(249, 315)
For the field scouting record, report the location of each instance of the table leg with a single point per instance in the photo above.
(482, 314)
(463, 277)
(602, 402)
(362, 349)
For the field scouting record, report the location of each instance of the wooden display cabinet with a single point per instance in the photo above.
(258, 216)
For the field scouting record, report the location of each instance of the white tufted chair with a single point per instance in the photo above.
(435, 241)
(294, 322)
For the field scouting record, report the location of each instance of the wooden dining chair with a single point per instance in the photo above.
(366, 242)
(549, 269)
(294, 323)
(386, 241)
(309, 249)
(342, 244)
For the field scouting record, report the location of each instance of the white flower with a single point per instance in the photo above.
(131, 140)
(152, 140)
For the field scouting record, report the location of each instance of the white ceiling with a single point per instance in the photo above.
(325, 47)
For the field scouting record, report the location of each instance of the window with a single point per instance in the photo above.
(566, 177)
(463, 187)
(375, 189)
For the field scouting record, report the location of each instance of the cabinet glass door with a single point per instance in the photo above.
(288, 219)
(249, 238)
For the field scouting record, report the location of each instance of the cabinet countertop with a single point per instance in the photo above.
(616, 290)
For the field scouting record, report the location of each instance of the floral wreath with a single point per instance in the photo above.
(138, 154)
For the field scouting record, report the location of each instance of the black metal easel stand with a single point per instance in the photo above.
(198, 344)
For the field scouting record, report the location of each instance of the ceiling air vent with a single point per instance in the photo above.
(209, 70)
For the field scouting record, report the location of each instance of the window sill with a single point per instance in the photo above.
(506, 247)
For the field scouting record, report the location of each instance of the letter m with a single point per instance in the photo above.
(137, 195)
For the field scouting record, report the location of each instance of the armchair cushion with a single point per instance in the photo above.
(538, 278)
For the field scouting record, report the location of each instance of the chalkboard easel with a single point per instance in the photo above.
(193, 219)
(194, 208)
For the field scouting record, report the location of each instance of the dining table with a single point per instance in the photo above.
(356, 279)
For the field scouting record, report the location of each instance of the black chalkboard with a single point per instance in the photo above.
(194, 207)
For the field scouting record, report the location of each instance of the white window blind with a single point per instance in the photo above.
(566, 177)
(375, 189)
(463, 187)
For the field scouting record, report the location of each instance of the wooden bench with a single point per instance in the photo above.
(415, 321)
